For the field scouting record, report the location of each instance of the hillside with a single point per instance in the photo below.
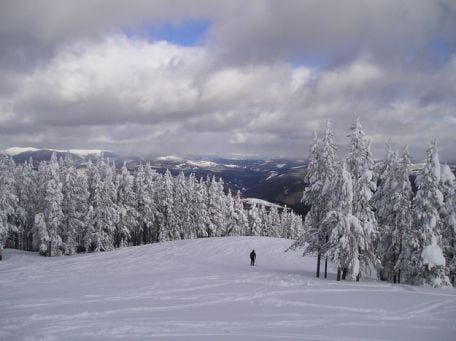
(205, 289)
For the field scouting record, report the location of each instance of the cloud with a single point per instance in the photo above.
(262, 79)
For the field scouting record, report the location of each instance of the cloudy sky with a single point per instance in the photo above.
(251, 78)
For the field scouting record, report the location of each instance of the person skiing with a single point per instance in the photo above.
(252, 258)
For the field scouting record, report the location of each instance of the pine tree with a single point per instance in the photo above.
(254, 221)
(216, 208)
(360, 165)
(52, 206)
(345, 240)
(127, 224)
(427, 265)
(8, 199)
(168, 224)
(201, 215)
(146, 207)
(273, 228)
(74, 206)
(26, 190)
(448, 217)
(241, 223)
(320, 175)
(230, 221)
(403, 222)
(105, 213)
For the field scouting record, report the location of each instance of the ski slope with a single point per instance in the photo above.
(205, 289)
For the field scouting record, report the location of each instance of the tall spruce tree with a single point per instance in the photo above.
(360, 165)
(427, 264)
(8, 200)
(127, 225)
(346, 238)
(320, 176)
(448, 217)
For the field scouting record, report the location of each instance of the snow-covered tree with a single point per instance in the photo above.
(8, 199)
(105, 213)
(393, 203)
(426, 265)
(254, 221)
(52, 199)
(240, 219)
(216, 207)
(128, 215)
(360, 166)
(448, 217)
(26, 191)
(74, 206)
(345, 242)
(273, 226)
(320, 176)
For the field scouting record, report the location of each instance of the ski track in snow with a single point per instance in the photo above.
(205, 289)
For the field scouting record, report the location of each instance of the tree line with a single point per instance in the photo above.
(60, 209)
(366, 215)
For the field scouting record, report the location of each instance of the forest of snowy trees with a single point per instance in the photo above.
(366, 216)
(58, 209)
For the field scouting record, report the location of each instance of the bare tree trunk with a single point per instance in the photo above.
(318, 264)
(326, 267)
(338, 274)
(344, 274)
(357, 277)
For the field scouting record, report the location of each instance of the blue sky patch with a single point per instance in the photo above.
(185, 33)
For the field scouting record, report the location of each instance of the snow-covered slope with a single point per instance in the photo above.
(206, 290)
(19, 150)
(80, 152)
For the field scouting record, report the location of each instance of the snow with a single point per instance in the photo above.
(432, 255)
(232, 166)
(203, 164)
(259, 202)
(446, 175)
(205, 289)
(281, 165)
(271, 175)
(19, 150)
(169, 158)
(81, 152)
(84, 152)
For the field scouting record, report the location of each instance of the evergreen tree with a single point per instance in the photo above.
(8, 200)
(427, 265)
(360, 165)
(26, 190)
(105, 213)
(52, 206)
(241, 222)
(254, 221)
(201, 218)
(320, 175)
(74, 206)
(127, 224)
(346, 238)
(448, 217)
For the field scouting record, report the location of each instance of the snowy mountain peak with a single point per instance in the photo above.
(13, 151)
